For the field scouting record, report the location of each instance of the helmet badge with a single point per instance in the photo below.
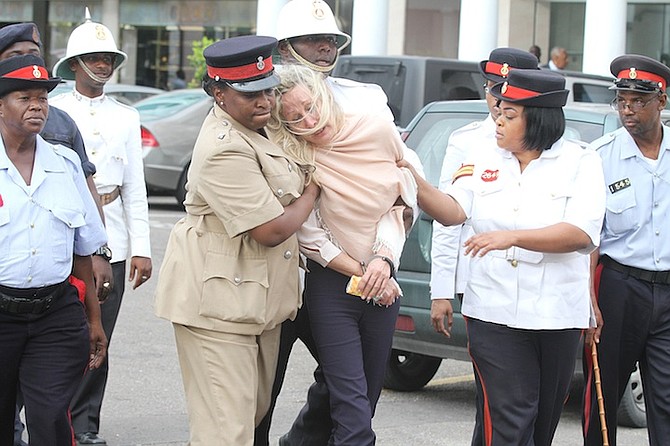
(100, 33)
(261, 63)
(318, 12)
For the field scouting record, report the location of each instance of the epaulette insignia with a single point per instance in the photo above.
(466, 170)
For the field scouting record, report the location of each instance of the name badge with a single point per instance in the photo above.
(619, 185)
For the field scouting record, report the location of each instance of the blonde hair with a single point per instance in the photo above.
(290, 139)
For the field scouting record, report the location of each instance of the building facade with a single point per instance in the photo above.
(158, 34)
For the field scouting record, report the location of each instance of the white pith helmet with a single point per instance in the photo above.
(309, 17)
(89, 37)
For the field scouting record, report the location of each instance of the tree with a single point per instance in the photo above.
(197, 60)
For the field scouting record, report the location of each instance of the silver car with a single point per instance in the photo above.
(170, 125)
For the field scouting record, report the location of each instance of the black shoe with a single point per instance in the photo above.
(89, 438)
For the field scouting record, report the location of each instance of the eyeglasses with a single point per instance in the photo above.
(620, 104)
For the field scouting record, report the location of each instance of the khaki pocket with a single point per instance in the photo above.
(234, 289)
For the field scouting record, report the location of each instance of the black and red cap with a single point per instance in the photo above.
(639, 73)
(502, 61)
(25, 72)
(243, 62)
(532, 88)
(19, 32)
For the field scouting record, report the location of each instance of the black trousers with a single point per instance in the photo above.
(46, 354)
(86, 403)
(312, 426)
(525, 378)
(636, 327)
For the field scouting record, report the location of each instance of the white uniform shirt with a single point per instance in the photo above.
(111, 133)
(44, 224)
(449, 267)
(638, 202)
(517, 287)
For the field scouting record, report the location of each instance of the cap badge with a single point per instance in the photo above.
(100, 33)
(261, 63)
(503, 89)
(504, 70)
(36, 72)
(632, 73)
(318, 12)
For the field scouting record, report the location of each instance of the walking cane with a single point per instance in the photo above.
(599, 393)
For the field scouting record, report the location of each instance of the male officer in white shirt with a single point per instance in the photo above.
(111, 133)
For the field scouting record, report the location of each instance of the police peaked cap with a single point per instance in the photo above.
(19, 32)
(243, 62)
(532, 88)
(634, 72)
(25, 72)
(503, 60)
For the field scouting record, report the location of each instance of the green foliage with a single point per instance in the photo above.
(197, 60)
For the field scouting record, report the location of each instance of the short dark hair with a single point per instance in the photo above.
(544, 126)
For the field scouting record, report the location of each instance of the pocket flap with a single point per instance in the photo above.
(236, 270)
(73, 218)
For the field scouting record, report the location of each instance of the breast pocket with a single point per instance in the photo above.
(550, 205)
(234, 289)
(620, 214)
(487, 202)
(64, 223)
(284, 178)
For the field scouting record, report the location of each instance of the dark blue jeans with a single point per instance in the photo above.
(353, 340)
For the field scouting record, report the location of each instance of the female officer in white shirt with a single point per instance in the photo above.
(536, 205)
(49, 227)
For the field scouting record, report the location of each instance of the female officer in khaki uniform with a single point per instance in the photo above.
(230, 273)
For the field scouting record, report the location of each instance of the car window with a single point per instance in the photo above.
(582, 131)
(592, 93)
(163, 105)
(457, 85)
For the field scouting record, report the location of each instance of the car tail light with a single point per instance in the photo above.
(148, 139)
(404, 323)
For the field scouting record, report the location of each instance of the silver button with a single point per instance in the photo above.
(290, 168)
(30, 278)
(237, 280)
(280, 192)
(288, 254)
(221, 135)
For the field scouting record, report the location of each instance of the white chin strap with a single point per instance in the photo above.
(307, 63)
(88, 71)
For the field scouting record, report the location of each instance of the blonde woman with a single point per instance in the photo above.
(357, 229)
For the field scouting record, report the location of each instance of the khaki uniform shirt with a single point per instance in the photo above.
(214, 275)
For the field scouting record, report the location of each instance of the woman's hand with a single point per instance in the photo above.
(480, 244)
(375, 279)
(404, 163)
(389, 295)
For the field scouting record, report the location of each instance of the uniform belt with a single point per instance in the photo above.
(662, 277)
(29, 300)
(105, 199)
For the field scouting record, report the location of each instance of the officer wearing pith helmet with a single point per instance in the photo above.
(308, 34)
(633, 265)
(230, 273)
(111, 133)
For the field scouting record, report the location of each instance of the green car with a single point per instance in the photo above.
(418, 349)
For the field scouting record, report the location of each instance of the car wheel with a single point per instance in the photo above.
(632, 412)
(180, 193)
(409, 371)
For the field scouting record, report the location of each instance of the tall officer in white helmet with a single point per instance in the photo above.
(111, 133)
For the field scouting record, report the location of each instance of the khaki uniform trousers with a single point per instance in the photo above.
(228, 382)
